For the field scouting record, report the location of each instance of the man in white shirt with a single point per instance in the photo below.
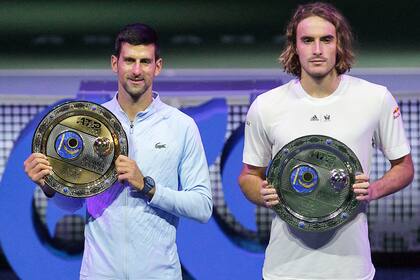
(351, 110)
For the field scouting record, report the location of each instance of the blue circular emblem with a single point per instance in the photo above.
(68, 145)
(304, 179)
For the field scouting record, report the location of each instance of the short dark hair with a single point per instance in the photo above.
(137, 34)
(345, 56)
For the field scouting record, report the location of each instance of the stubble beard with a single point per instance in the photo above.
(320, 75)
(134, 92)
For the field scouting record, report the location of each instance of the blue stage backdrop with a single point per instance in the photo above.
(41, 241)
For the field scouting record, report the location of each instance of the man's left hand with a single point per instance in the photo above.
(128, 170)
(362, 188)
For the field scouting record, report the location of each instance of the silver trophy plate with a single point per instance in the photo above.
(313, 176)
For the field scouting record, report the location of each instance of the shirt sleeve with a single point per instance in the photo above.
(70, 204)
(390, 136)
(194, 198)
(257, 147)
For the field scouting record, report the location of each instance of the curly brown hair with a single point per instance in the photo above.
(345, 55)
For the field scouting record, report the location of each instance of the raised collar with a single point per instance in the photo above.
(150, 110)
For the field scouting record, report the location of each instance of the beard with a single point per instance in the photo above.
(319, 75)
(135, 92)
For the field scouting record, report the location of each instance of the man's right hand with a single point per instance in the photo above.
(269, 194)
(37, 167)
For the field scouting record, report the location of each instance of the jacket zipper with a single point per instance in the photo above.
(131, 127)
(125, 218)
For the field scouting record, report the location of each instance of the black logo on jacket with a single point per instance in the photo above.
(158, 145)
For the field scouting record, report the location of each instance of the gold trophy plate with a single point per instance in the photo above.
(81, 140)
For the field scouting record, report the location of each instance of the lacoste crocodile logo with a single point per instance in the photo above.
(158, 145)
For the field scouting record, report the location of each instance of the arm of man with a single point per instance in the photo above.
(194, 200)
(255, 188)
(400, 175)
(391, 139)
(37, 167)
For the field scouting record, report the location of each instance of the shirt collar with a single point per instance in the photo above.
(150, 110)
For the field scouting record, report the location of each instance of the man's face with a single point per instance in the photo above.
(316, 46)
(136, 68)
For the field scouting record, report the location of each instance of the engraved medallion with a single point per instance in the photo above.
(313, 176)
(81, 140)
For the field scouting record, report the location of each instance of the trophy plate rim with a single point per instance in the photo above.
(285, 190)
(92, 110)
